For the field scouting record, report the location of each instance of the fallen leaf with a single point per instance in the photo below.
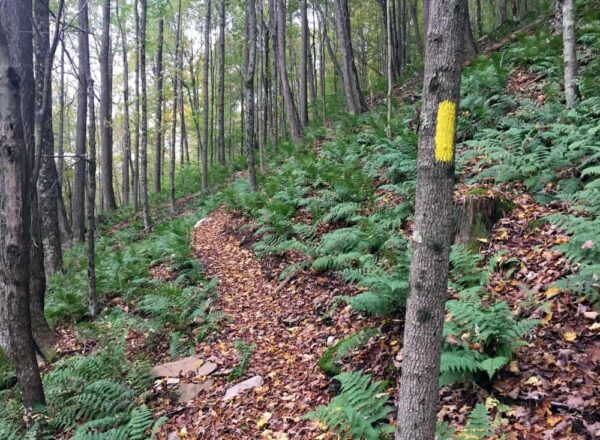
(595, 326)
(569, 336)
(264, 420)
(552, 292)
(533, 380)
(553, 420)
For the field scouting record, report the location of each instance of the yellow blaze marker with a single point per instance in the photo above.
(444, 131)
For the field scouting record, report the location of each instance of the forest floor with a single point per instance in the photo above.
(549, 390)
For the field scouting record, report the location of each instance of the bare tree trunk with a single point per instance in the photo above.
(159, 104)
(570, 52)
(417, 401)
(16, 339)
(303, 107)
(354, 101)
(136, 138)
(470, 46)
(174, 127)
(221, 140)
(390, 77)
(479, 19)
(249, 85)
(126, 127)
(558, 17)
(288, 98)
(502, 11)
(91, 201)
(426, 7)
(106, 128)
(204, 152)
(78, 201)
(144, 127)
(47, 182)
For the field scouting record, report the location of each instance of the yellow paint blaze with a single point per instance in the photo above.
(444, 131)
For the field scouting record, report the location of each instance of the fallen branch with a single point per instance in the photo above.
(293, 275)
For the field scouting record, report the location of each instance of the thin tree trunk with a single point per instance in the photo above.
(354, 101)
(221, 118)
(159, 105)
(288, 98)
(417, 401)
(174, 127)
(470, 46)
(93, 308)
(78, 201)
(389, 67)
(126, 127)
(570, 52)
(47, 181)
(16, 338)
(303, 107)
(144, 127)
(136, 138)
(204, 152)
(106, 129)
(479, 19)
(558, 17)
(249, 85)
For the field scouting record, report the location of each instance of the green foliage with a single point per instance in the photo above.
(360, 411)
(330, 361)
(480, 336)
(478, 427)
(244, 353)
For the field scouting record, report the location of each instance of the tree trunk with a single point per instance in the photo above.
(106, 123)
(288, 98)
(570, 52)
(417, 402)
(159, 105)
(144, 125)
(557, 23)
(221, 140)
(174, 127)
(126, 128)
(78, 201)
(390, 77)
(136, 139)
(354, 101)
(502, 11)
(249, 85)
(470, 46)
(205, 91)
(16, 339)
(303, 107)
(91, 201)
(47, 183)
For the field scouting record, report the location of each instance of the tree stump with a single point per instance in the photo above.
(476, 215)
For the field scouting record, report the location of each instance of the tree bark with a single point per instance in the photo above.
(159, 104)
(78, 199)
(355, 103)
(136, 138)
(303, 107)
(221, 139)
(205, 91)
(174, 127)
(47, 183)
(288, 98)
(106, 123)
(558, 17)
(126, 127)
(16, 338)
(249, 85)
(144, 124)
(470, 46)
(417, 402)
(91, 201)
(570, 52)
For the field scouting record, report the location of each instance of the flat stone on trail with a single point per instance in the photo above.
(185, 366)
(188, 391)
(236, 390)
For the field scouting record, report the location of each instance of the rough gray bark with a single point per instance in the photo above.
(558, 17)
(501, 12)
(106, 123)
(159, 104)
(570, 52)
(91, 200)
(390, 77)
(78, 198)
(136, 131)
(221, 118)
(172, 158)
(144, 124)
(126, 127)
(303, 95)
(288, 98)
(470, 46)
(47, 179)
(417, 401)
(249, 86)
(16, 339)
(205, 91)
(355, 103)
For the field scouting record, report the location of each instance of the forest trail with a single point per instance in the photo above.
(288, 335)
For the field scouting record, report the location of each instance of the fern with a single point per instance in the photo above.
(360, 411)
(329, 361)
